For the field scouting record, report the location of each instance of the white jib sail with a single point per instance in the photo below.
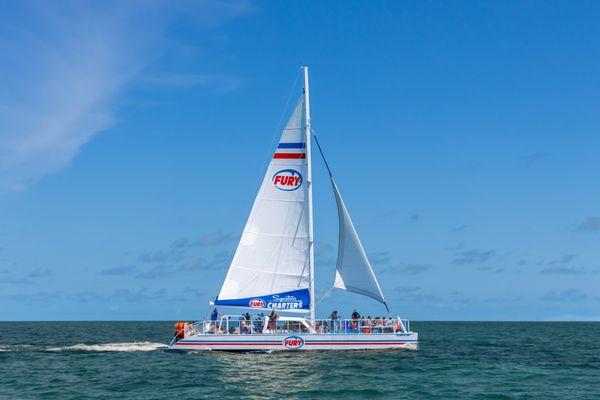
(353, 271)
(270, 266)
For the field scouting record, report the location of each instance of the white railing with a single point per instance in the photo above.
(238, 325)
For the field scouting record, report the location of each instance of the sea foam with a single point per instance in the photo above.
(124, 347)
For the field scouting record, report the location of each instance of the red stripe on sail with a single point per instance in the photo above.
(295, 156)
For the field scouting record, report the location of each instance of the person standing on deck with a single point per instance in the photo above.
(214, 316)
(334, 317)
(273, 317)
(355, 319)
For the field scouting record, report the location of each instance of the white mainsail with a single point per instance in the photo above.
(270, 268)
(353, 270)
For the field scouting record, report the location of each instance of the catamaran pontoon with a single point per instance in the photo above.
(273, 267)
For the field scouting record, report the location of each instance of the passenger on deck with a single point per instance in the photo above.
(258, 322)
(273, 317)
(334, 317)
(213, 320)
(362, 323)
(389, 323)
(355, 319)
(240, 323)
(246, 327)
(367, 326)
(377, 325)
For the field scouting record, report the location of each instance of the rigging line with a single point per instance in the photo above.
(322, 154)
(277, 131)
(326, 295)
(278, 128)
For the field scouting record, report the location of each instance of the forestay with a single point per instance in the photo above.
(353, 271)
(270, 266)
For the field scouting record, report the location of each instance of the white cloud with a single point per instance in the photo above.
(62, 66)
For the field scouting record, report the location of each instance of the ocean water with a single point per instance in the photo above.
(457, 360)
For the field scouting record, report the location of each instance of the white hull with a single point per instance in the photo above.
(299, 341)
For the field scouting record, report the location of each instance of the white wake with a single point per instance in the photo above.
(125, 347)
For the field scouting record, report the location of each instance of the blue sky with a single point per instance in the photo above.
(463, 136)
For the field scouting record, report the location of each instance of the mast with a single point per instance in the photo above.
(311, 250)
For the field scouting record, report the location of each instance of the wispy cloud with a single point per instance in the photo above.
(407, 269)
(40, 273)
(118, 271)
(563, 266)
(27, 279)
(157, 271)
(218, 261)
(488, 268)
(323, 248)
(564, 270)
(570, 295)
(208, 239)
(459, 228)
(138, 295)
(379, 257)
(415, 294)
(215, 238)
(160, 256)
(530, 160)
(414, 218)
(118, 295)
(64, 64)
(221, 83)
(562, 260)
(474, 256)
(589, 225)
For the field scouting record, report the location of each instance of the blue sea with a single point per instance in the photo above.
(457, 360)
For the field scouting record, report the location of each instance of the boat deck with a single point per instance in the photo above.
(293, 334)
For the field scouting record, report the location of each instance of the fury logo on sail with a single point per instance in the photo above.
(287, 179)
(293, 342)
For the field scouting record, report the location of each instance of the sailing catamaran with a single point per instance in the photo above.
(273, 267)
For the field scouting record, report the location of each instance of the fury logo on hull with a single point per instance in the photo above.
(293, 342)
(287, 180)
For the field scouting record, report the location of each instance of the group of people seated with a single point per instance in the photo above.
(360, 324)
(245, 324)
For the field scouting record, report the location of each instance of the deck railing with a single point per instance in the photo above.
(238, 325)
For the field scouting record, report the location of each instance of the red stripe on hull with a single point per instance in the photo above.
(279, 344)
(227, 344)
(352, 343)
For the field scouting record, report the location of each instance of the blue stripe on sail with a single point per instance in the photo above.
(291, 145)
(293, 300)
